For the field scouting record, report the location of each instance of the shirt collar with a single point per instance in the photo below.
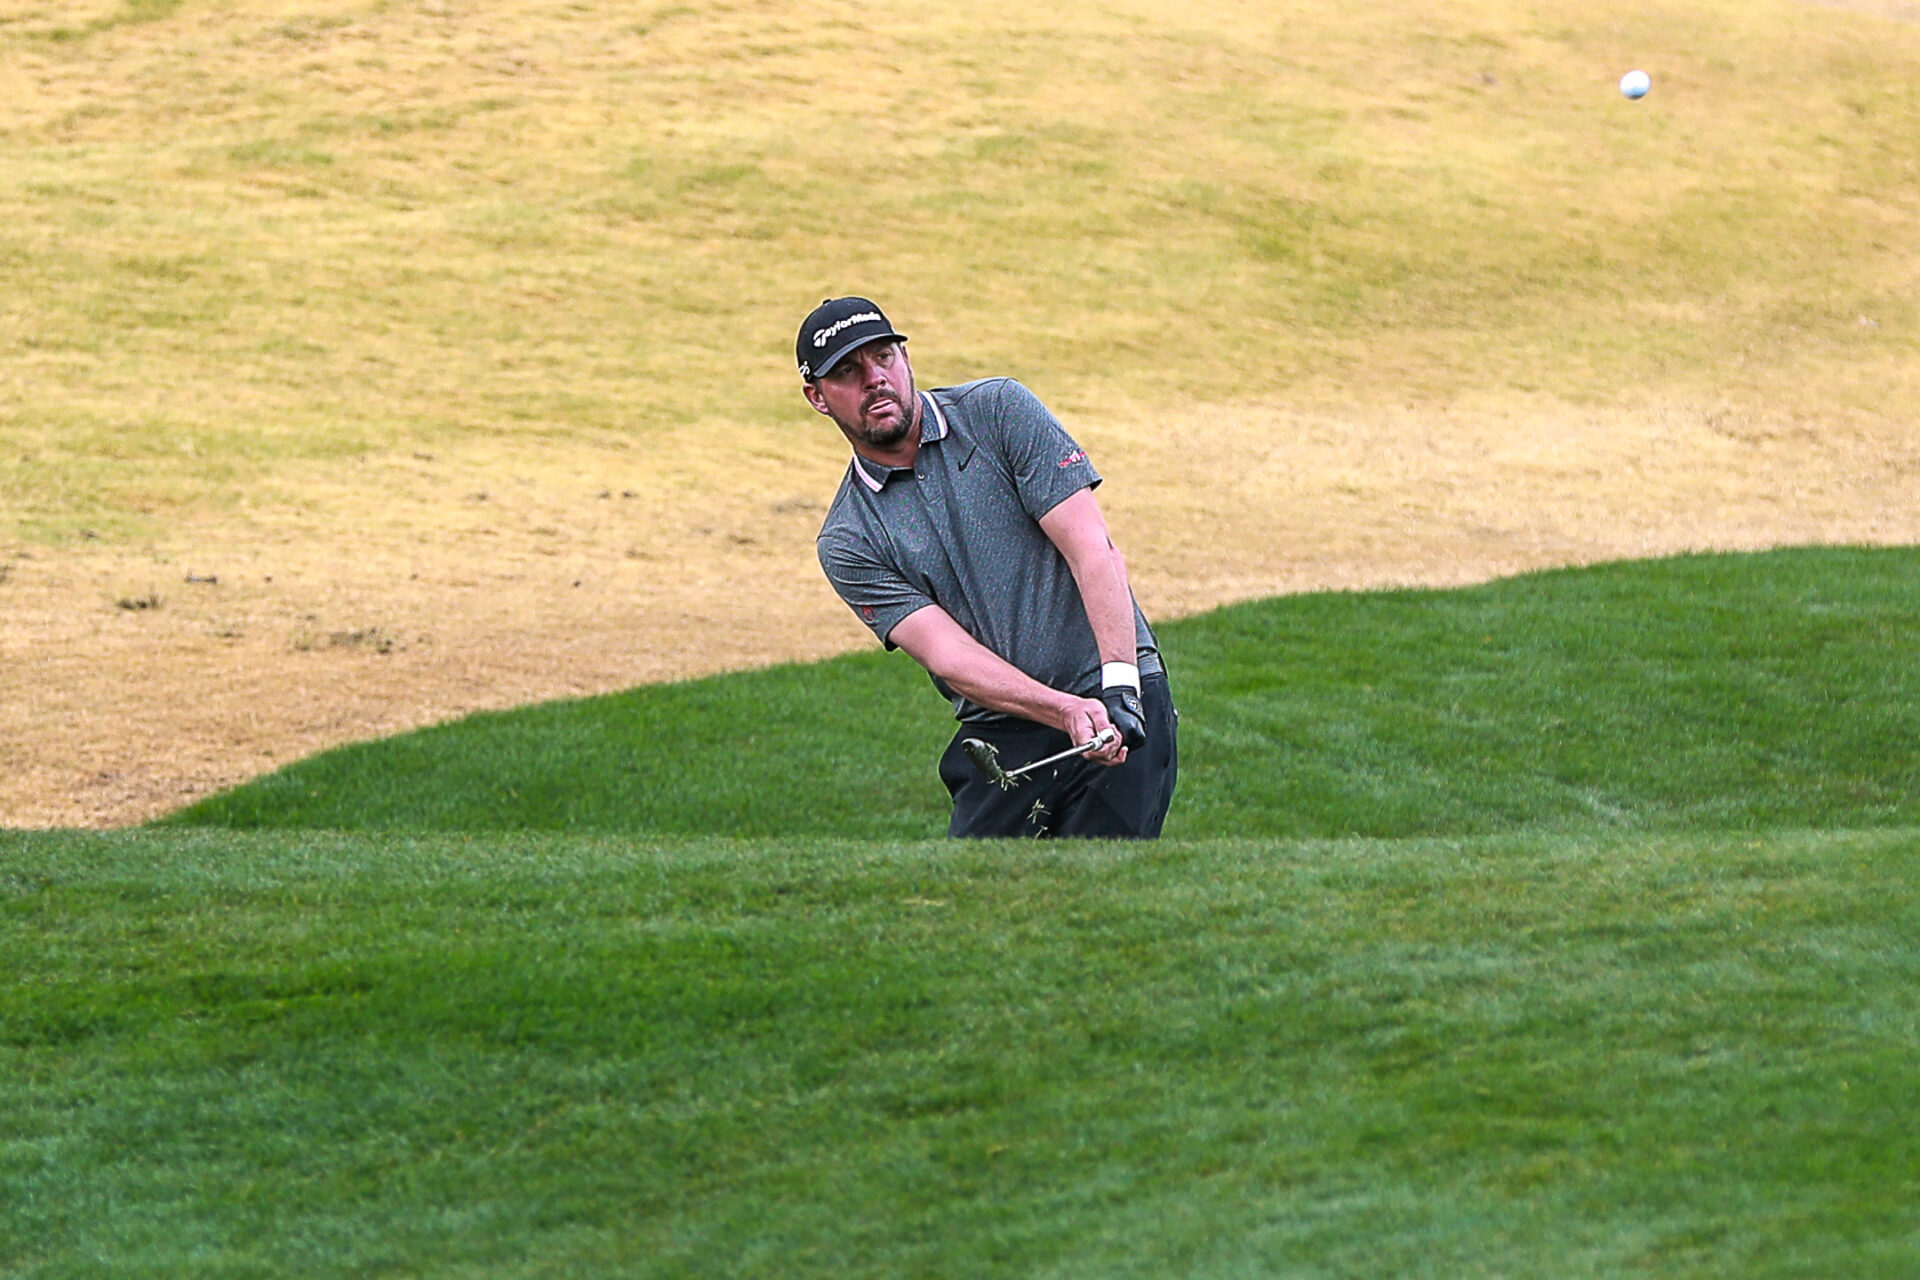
(933, 427)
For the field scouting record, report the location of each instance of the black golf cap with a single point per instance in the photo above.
(836, 327)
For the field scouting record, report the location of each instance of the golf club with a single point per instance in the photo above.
(986, 758)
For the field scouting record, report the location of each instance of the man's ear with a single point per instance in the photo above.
(814, 398)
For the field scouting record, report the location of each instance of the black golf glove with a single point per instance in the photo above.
(1127, 715)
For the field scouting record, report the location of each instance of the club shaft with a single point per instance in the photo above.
(1106, 736)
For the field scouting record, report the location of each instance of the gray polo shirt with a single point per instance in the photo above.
(960, 529)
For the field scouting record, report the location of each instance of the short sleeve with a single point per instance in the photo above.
(876, 591)
(1047, 466)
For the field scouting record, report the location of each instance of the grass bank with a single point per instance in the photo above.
(1702, 692)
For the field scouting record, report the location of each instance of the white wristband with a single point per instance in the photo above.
(1115, 674)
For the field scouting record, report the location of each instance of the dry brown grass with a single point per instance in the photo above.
(401, 322)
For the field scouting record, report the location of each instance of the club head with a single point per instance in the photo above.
(986, 758)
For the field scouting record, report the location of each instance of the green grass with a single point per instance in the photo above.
(1697, 693)
(275, 1054)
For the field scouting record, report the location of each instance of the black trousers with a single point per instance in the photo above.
(1074, 798)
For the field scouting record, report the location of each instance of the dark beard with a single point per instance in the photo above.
(888, 436)
(885, 438)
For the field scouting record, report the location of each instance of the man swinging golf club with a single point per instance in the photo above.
(967, 533)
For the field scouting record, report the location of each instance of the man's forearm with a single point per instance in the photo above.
(938, 643)
(974, 671)
(1079, 530)
(1109, 603)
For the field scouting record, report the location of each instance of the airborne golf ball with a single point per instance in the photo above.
(1635, 84)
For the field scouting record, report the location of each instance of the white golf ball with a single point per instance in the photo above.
(1635, 84)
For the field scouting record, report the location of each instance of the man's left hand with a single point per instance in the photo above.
(1125, 712)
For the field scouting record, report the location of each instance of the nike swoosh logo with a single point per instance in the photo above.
(969, 458)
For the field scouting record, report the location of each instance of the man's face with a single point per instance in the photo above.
(869, 395)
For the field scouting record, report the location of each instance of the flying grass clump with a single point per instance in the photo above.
(986, 758)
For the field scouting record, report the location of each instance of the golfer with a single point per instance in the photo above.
(967, 533)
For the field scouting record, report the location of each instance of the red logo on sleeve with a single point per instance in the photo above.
(1078, 455)
(867, 612)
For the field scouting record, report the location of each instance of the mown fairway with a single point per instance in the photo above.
(268, 1055)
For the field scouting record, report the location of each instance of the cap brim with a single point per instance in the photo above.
(821, 370)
